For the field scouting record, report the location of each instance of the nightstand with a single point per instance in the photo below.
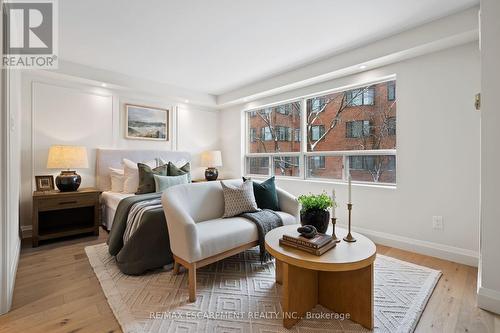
(59, 214)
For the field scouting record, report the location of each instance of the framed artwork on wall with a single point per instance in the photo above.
(146, 123)
(44, 183)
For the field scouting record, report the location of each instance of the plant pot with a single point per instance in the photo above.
(317, 218)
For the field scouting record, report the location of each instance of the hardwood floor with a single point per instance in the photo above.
(56, 291)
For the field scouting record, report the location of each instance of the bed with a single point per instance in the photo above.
(149, 246)
(109, 203)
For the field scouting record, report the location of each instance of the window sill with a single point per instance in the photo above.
(328, 181)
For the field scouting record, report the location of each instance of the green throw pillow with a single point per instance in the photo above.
(146, 179)
(164, 182)
(175, 171)
(266, 195)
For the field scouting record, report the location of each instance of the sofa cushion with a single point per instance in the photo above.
(287, 218)
(220, 235)
(265, 194)
(238, 199)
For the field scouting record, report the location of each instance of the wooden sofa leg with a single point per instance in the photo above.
(192, 282)
(176, 268)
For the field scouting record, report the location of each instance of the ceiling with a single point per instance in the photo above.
(219, 45)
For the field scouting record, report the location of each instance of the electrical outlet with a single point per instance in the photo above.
(437, 222)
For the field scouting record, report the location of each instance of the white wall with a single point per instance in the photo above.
(57, 110)
(438, 156)
(10, 243)
(489, 270)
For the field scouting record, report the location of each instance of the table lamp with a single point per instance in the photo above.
(211, 160)
(67, 157)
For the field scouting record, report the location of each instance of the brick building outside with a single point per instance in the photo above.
(358, 119)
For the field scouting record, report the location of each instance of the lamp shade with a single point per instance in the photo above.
(67, 157)
(211, 159)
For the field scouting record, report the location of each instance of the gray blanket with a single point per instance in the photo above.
(148, 246)
(265, 220)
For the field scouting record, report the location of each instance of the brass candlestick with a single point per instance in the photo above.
(334, 237)
(349, 237)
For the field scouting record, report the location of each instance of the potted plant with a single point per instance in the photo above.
(315, 211)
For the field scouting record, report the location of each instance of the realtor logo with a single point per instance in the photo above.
(30, 34)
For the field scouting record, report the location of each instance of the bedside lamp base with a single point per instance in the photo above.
(211, 174)
(68, 181)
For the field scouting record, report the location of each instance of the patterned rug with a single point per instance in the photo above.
(238, 294)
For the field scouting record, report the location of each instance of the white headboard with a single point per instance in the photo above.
(106, 158)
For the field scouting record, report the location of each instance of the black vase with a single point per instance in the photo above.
(318, 218)
(211, 174)
(68, 181)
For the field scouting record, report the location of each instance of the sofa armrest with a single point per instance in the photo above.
(182, 230)
(288, 203)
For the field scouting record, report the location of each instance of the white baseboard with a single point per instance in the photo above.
(488, 299)
(13, 272)
(447, 252)
(10, 279)
(26, 231)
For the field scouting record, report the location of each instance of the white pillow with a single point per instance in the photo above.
(117, 178)
(131, 175)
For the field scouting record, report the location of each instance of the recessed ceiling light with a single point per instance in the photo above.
(103, 85)
(186, 101)
(362, 67)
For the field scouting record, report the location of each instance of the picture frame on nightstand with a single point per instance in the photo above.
(44, 183)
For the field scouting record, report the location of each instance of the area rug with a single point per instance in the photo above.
(238, 294)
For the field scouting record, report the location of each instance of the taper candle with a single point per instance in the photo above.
(333, 206)
(349, 186)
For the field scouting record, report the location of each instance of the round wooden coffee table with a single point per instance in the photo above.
(340, 280)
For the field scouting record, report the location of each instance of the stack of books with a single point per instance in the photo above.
(317, 245)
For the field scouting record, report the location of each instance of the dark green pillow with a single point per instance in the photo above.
(266, 195)
(175, 171)
(147, 179)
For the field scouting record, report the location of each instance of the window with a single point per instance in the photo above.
(274, 129)
(316, 104)
(287, 166)
(340, 140)
(284, 109)
(253, 113)
(391, 126)
(258, 165)
(362, 96)
(378, 168)
(253, 134)
(283, 133)
(325, 167)
(357, 128)
(317, 162)
(317, 131)
(361, 162)
(391, 90)
(266, 134)
(296, 136)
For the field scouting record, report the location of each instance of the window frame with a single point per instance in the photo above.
(304, 154)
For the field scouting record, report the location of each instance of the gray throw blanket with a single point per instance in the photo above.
(135, 215)
(265, 220)
(148, 244)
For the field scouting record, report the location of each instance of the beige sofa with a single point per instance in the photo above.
(200, 236)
